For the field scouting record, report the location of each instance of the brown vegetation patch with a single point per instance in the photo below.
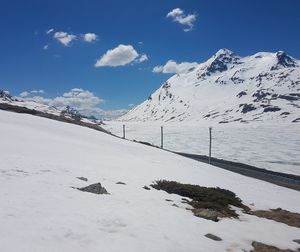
(280, 215)
(261, 247)
(208, 203)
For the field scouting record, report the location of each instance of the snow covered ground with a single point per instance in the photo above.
(274, 147)
(39, 211)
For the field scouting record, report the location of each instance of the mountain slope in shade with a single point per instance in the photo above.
(228, 88)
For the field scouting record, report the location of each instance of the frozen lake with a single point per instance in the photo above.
(273, 147)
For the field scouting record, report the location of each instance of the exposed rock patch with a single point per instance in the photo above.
(82, 178)
(96, 188)
(213, 237)
(261, 247)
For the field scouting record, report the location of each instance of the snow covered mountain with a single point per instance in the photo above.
(228, 88)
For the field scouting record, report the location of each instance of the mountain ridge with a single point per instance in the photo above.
(228, 88)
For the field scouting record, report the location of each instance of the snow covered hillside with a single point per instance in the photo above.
(40, 211)
(228, 88)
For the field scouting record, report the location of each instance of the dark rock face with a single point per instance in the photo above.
(82, 178)
(240, 94)
(289, 97)
(283, 60)
(94, 188)
(213, 237)
(260, 94)
(221, 61)
(247, 108)
(271, 109)
(120, 183)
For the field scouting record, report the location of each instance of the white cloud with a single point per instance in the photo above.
(143, 58)
(64, 37)
(119, 56)
(131, 105)
(49, 31)
(41, 91)
(24, 94)
(45, 47)
(89, 37)
(77, 98)
(28, 93)
(180, 17)
(172, 67)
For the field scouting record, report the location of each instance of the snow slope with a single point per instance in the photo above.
(228, 88)
(39, 211)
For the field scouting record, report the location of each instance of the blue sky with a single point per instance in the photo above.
(31, 59)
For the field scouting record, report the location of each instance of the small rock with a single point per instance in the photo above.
(82, 178)
(213, 237)
(146, 188)
(94, 188)
(297, 241)
(175, 205)
(206, 214)
(169, 200)
(120, 183)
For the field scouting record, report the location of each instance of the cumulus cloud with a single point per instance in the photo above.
(89, 37)
(119, 56)
(77, 98)
(180, 17)
(172, 67)
(64, 38)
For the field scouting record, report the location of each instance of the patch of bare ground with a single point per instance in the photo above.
(261, 247)
(280, 215)
(208, 203)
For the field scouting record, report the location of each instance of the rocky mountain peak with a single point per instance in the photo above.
(219, 62)
(283, 60)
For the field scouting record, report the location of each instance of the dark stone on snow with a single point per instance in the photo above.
(296, 120)
(94, 188)
(247, 108)
(289, 97)
(297, 241)
(82, 178)
(146, 188)
(213, 237)
(206, 213)
(120, 183)
(271, 109)
(285, 113)
(240, 94)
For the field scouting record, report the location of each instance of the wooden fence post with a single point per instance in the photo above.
(123, 131)
(209, 158)
(161, 137)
